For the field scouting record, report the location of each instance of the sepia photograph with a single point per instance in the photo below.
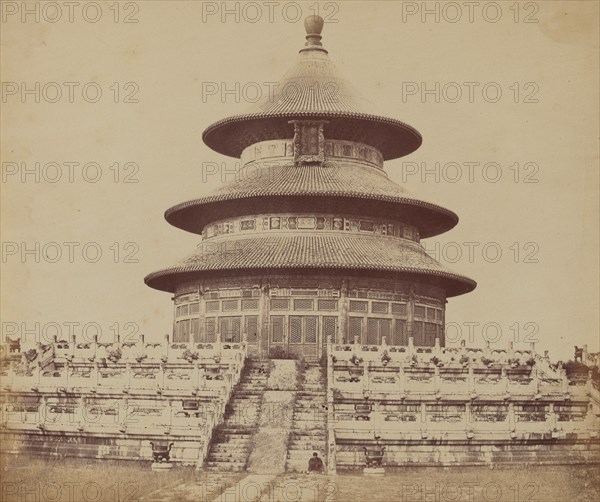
(300, 251)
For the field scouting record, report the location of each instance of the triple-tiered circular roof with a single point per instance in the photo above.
(314, 90)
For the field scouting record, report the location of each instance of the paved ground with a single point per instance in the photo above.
(27, 478)
(473, 484)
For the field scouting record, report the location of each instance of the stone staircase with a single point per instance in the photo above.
(309, 424)
(231, 442)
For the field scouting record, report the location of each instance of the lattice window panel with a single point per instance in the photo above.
(419, 311)
(328, 304)
(372, 332)
(310, 334)
(438, 314)
(249, 304)
(210, 328)
(231, 329)
(430, 313)
(379, 307)
(431, 331)
(303, 304)
(195, 330)
(252, 329)
(277, 328)
(185, 309)
(182, 332)
(178, 312)
(295, 329)
(400, 334)
(354, 329)
(230, 305)
(212, 306)
(418, 333)
(356, 306)
(194, 308)
(385, 329)
(280, 304)
(330, 328)
(399, 309)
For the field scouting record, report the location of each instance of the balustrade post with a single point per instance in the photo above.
(95, 374)
(197, 375)
(552, 416)
(468, 419)
(471, 380)
(411, 345)
(142, 351)
(81, 412)
(535, 381)
(161, 374)
(73, 342)
(167, 346)
(95, 346)
(124, 405)
(43, 410)
(423, 419)
(402, 382)
(437, 350)
(504, 379)
(366, 375)
(65, 378)
(512, 426)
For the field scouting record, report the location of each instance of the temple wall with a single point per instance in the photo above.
(281, 315)
(427, 453)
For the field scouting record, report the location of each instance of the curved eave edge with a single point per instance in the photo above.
(236, 119)
(467, 284)
(172, 211)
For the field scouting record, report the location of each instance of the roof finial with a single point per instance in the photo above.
(314, 26)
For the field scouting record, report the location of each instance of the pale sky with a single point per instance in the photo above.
(543, 127)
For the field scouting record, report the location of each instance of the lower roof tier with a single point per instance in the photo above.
(346, 187)
(311, 252)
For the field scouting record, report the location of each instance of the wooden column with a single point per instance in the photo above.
(263, 322)
(343, 331)
(410, 315)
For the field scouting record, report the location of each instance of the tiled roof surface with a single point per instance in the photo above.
(339, 180)
(349, 252)
(313, 88)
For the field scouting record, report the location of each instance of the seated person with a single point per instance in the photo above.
(315, 464)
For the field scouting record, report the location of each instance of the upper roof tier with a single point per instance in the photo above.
(313, 88)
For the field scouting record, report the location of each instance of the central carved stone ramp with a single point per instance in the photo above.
(309, 423)
(231, 440)
(270, 442)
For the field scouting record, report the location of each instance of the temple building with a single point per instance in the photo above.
(311, 240)
(311, 295)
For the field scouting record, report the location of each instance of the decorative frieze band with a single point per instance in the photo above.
(334, 149)
(300, 222)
